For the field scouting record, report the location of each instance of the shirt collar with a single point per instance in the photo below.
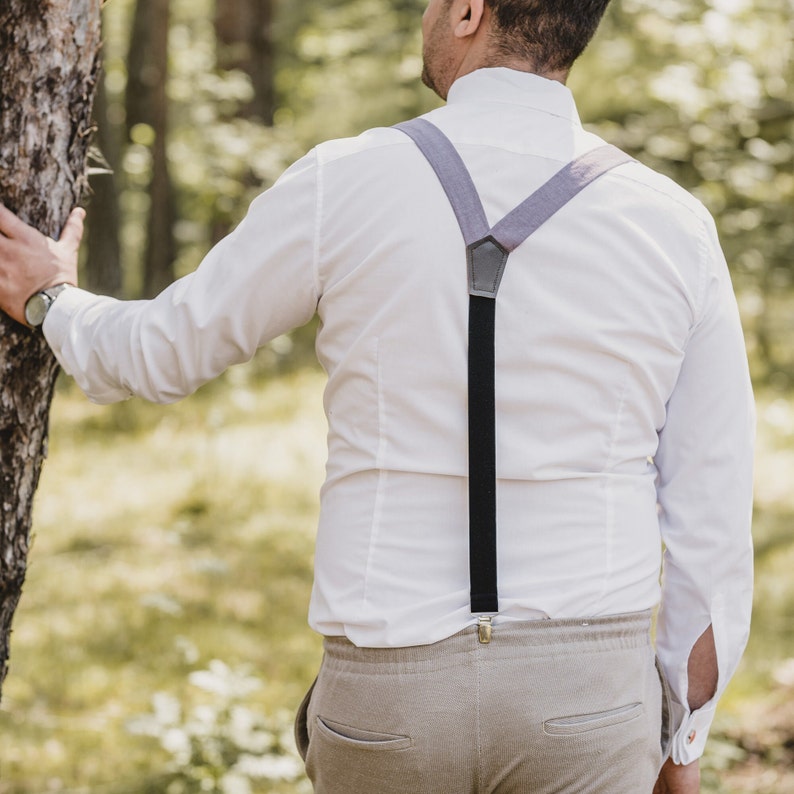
(500, 84)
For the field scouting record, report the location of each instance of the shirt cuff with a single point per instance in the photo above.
(689, 740)
(56, 321)
(60, 335)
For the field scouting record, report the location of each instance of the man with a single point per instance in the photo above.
(624, 419)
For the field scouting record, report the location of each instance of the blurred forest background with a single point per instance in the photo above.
(161, 643)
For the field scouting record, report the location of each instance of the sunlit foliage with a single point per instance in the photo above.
(702, 90)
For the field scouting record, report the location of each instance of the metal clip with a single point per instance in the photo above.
(485, 629)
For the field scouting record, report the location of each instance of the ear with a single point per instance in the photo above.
(469, 17)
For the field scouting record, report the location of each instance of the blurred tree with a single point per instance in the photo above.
(244, 43)
(147, 123)
(48, 70)
(103, 260)
(349, 65)
(244, 32)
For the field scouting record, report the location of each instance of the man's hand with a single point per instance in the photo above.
(675, 779)
(30, 262)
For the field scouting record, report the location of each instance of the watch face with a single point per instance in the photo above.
(36, 309)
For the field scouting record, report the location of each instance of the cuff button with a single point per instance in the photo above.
(691, 737)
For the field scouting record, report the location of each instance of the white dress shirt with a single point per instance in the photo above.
(624, 408)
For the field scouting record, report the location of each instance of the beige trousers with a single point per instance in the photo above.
(548, 707)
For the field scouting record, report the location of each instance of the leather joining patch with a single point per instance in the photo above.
(487, 260)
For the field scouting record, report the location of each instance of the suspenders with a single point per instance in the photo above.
(487, 251)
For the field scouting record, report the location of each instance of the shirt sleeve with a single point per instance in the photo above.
(704, 463)
(254, 285)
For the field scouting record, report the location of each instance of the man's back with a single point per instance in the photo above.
(593, 318)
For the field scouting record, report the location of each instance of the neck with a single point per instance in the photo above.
(483, 53)
(519, 65)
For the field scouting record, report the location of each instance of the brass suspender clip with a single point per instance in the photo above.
(485, 629)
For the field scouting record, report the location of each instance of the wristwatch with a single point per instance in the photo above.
(39, 303)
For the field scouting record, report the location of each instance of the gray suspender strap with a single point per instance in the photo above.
(487, 251)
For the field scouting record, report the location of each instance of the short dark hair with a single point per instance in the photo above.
(551, 34)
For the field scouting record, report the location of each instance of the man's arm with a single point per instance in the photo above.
(678, 779)
(704, 490)
(702, 670)
(257, 283)
(702, 673)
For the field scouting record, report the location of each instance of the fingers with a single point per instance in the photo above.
(10, 225)
(72, 232)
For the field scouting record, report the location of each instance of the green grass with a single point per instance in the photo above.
(166, 537)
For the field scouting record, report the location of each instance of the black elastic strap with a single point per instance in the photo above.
(482, 456)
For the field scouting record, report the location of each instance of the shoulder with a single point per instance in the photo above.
(643, 184)
(656, 188)
(378, 140)
(373, 147)
(346, 155)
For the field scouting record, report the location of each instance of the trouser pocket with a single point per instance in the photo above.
(301, 723)
(582, 723)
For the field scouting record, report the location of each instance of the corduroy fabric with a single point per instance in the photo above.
(548, 707)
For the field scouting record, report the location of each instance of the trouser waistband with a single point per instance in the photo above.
(533, 637)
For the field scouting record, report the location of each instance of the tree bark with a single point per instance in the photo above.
(48, 69)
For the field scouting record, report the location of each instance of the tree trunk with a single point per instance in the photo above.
(243, 29)
(103, 238)
(48, 70)
(141, 74)
(158, 267)
(147, 103)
